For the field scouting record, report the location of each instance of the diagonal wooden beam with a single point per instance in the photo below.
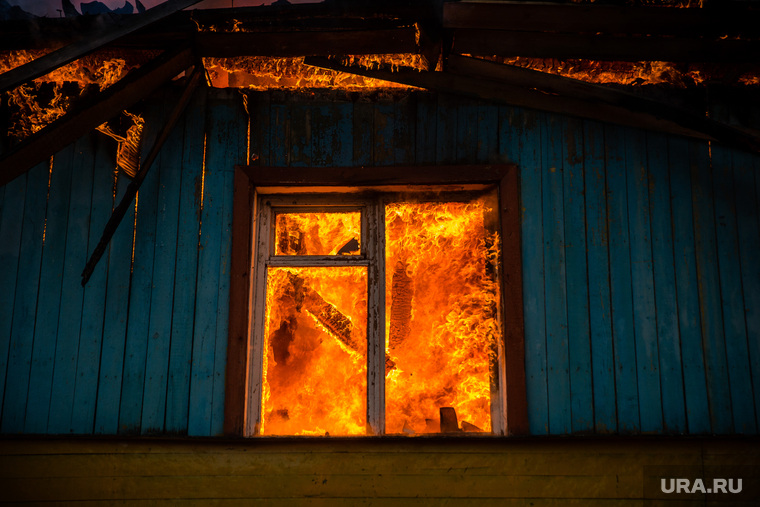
(492, 81)
(134, 185)
(102, 107)
(88, 43)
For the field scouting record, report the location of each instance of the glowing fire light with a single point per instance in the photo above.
(43, 100)
(264, 73)
(441, 316)
(315, 367)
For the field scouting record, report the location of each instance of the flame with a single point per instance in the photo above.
(318, 233)
(315, 371)
(43, 100)
(441, 314)
(265, 73)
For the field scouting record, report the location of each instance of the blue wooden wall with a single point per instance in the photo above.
(640, 266)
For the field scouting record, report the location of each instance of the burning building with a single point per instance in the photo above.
(457, 251)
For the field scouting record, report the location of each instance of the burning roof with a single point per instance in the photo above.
(357, 48)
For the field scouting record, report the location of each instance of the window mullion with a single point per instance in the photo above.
(375, 228)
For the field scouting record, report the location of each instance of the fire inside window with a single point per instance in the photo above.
(376, 314)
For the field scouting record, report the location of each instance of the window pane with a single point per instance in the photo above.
(318, 233)
(315, 371)
(442, 299)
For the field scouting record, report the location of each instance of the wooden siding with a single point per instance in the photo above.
(419, 471)
(137, 350)
(640, 274)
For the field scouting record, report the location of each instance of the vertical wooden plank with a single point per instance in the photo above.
(425, 128)
(72, 292)
(383, 133)
(91, 335)
(555, 288)
(49, 298)
(642, 278)
(732, 299)
(363, 130)
(234, 153)
(258, 105)
(279, 142)
(713, 340)
(323, 134)
(300, 133)
(693, 364)
(746, 180)
(668, 342)
(520, 141)
(403, 130)
(10, 241)
(600, 316)
(578, 327)
(183, 316)
(115, 321)
(343, 143)
(133, 381)
(466, 131)
(168, 175)
(21, 246)
(620, 282)
(488, 133)
(223, 151)
(446, 132)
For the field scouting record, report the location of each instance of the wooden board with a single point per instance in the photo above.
(642, 283)
(349, 471)
(669, 344)
(600, 317)
(576, 269)
(692, 354)
(624, 348)
(183, 307)
(27, 199)
(71, 294)
(93, 311)
(49, 299)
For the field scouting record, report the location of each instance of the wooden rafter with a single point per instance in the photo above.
(307, 43)
(100, 108)
(520, 87)
(88, 43)
(604, 47)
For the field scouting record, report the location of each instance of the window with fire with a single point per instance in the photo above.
(376, 314)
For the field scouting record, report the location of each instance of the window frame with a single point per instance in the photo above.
(252, 181)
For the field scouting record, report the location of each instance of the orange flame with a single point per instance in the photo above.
(317, 233)
(264, 73)
(315, 367)
(441, 316)
(43, 100)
